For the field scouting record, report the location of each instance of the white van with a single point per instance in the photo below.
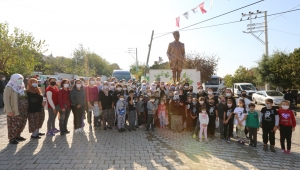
(248, 87)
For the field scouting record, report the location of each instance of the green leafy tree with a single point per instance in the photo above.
(206, 64)
(228, 79)
(19, 51)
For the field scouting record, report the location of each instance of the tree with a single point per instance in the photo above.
(228, 79)
(19, 51)
(137, 73)
(281, 69)
(206, 64)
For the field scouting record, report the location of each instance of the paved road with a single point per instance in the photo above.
(138, 150)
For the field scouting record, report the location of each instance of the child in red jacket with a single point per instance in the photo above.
(287, 124)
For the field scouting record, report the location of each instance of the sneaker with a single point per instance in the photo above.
(80, 130)
(42, 134)
(152, 129)
(129, 129)
(55, 130)
(62, 133)
(272, 148)
(283, 151)
(50, 133)
(67, 131)
(288, 151)
(228, 140)
(194, 136)
(224, 140)
(119, 130)
(134, 129)
(104, 128)
(251, 144)
(13, 141)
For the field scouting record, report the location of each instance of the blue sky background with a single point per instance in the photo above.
(110, 27)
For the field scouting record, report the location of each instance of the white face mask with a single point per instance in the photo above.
(34, 84)
(119, 88)
(203, 111)
(95, 105)
(228, 94)
(105, 87)
(124, 88)
(152, 100)
(19, 82)
(66, 85)
(284, 107)
(229, 105)
(3, 78)
(149, 94)
(92, 82)
(133, 86)
(186, 87)
(141, 98)
(78, 85)
(121, 99)
(200, 90)
(210, 92)
(201, 102)
(112, 87)
(99, 82)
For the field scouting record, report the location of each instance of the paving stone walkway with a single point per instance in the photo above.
(139, 150)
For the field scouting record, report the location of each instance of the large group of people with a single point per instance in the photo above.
(126, 106)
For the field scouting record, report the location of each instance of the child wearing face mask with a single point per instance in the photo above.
(162, 114)
(140, 110)
(221, 109)
(240, 121)
(201, 104)
(204, 121)
(188, 105)
(201, 92)
(213, 116)
(151, 107)
(121, 113)
(210, 95)
(252, 124)
(287, 124)
(96, 111)
(269, 123)
(228, 120)
(193, 113)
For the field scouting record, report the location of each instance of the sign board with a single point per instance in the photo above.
(165, 75)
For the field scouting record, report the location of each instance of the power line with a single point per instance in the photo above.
(285, 32)
(282, 14)
(213, 17)
(232, 22)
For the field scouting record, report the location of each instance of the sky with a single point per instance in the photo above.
(110, 27)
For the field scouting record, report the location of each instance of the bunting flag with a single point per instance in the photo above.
(177, 21)
(195, 9)
(186, 15)
(211, 3)
(202, 8)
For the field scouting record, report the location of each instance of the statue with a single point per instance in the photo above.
(176, 55)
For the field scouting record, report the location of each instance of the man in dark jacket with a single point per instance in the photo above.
(289, 96)
(2, 87)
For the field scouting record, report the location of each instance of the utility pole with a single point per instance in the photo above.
(258, 27)
(147, 67)
(132, 50)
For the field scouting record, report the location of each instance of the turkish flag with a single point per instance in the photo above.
(177, 21)
(201, 6)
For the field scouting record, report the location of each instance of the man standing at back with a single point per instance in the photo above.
(176, 55)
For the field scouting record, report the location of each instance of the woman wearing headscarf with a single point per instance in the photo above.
(77, 105)
(106, 104)
(16, 108)
(52, 98)
(36, 114)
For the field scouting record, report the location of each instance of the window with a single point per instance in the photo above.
(247, 87)
(274, 93)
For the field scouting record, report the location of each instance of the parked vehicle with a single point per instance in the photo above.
(121, 74)
(215, 83)
(248, 87)
(260, 96)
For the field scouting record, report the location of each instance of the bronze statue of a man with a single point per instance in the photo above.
(176, 55)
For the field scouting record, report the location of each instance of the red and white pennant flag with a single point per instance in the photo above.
(201, 6)
(177, 21)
